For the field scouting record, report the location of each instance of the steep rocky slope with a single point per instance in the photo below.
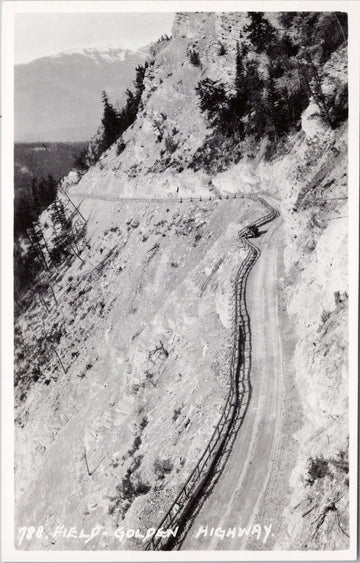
(314, 291)
(170, 126)
(311, 180)
(144, 382)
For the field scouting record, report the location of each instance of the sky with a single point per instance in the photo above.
(39, 35)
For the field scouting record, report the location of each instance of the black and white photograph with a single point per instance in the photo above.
(180, 294)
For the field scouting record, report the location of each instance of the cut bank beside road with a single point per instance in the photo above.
(242, 485)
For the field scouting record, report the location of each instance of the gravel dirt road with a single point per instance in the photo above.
(237, 496)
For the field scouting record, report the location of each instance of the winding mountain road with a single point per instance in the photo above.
(236, 497)
(240, 490)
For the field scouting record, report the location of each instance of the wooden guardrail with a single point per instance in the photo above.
(240, 385)
(172, 199)
(235, 405)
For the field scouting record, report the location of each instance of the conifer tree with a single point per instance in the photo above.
(116, 122)
(111, 122)
(212, 99)
(261, 32)
(47, 191)
(241, 89)
(35, 198)
(81, 160)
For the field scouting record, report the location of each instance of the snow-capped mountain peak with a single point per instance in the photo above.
(108, 53)
(69, 108)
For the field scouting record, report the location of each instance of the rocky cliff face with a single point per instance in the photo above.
(117, 395)
(215, 35)
(170, 127)
(311, 182)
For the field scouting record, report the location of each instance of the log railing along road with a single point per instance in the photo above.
(239, 394)
(235, 406)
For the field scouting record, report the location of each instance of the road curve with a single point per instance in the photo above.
(240, 486)
(240, 490)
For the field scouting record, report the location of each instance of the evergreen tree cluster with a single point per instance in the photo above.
(43, 253)
(159, 45)
(269, 103)
(62, 232)
(115, 122)
(81, 161)
(32, 203)
(319, 33)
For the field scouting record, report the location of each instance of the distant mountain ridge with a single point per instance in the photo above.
(58, 98)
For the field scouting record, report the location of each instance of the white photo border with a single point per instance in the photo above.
(9, 10)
